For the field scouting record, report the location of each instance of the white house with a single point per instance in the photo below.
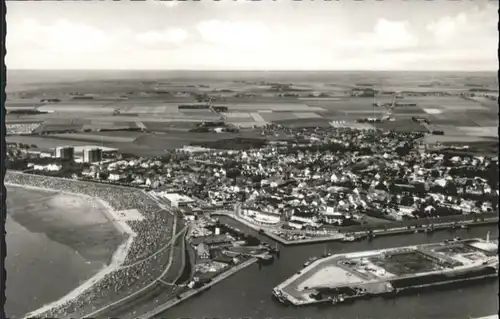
(295, 225)
(177, 200)
(114, 177)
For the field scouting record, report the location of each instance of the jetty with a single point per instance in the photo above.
(343, 277)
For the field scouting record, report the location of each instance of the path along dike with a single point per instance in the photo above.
(158, 310)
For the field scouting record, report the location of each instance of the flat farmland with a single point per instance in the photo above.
(67, 121)
(489, 104)
(237, 115)
(255, 107)
(409, 110)
(277, 116)
(153, 107)
(208, 115)
(150, 118)
(95, 138)
(311, 122)
(488, 131)
(175, 140)
(444, 102)
(57, 128)
(452, 118)
(483, 118)
(22, 105)
(80, 108)
(306, 115)
(108, 125)
(169, 126)
(126, 134)
(343, 104)
(447, 129)
(41, 142)
(376, 111)
(13, 120)
(401, 125)
(255, 100)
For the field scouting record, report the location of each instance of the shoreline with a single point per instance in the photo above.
(117, 259)
(191, 293)
(340, 236)
(476, 270)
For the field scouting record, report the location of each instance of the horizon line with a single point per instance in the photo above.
(257, 70)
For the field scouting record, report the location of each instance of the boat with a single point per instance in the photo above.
(348, 238)
(464, 226)
(267, 257)
(279, 296)
(310, 261)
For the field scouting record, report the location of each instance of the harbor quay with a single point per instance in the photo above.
(303, 237)
(345, 277)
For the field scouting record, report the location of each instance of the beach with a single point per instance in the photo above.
(56, 242)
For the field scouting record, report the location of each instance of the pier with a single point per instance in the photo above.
(338, 278)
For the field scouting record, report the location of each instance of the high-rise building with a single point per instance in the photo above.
(65, 152)
(92, 155)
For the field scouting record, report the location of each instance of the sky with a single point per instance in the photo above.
(249, 35)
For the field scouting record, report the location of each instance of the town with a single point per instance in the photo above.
(303, 184)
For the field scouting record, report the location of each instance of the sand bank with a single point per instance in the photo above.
(116, 261)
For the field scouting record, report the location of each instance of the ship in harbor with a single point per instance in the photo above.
(351, 237)
(346, 277)
(310, 261)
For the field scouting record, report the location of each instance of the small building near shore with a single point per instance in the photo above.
(203, 251)
(177, 200)
(215, 241)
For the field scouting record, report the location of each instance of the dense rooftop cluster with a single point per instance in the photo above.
(309, 178)
(332, 177)
(17, 129)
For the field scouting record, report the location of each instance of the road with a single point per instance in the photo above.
(117, 304)
(159, 310)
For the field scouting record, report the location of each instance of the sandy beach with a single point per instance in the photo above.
(72, 224)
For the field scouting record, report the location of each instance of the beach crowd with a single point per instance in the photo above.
(152, 233)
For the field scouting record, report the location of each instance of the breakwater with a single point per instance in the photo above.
(343, 277)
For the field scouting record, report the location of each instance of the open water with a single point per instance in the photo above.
(248, 293)
(39, 270)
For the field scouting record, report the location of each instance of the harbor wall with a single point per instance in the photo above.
(186, 295)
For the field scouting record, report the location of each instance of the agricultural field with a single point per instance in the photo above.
(297, 123)
(401, 125)
(101, 138)
(169, 126)
(150, 102)
(42, 142)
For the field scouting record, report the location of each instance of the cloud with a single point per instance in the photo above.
(475, 24)
(447, 26)
(61, 36)
(167, 3)
(468, 38)
(387, 35)
(237, 35)
(167, 36)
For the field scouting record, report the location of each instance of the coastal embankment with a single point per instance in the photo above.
(186, 295)
(317, 237)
